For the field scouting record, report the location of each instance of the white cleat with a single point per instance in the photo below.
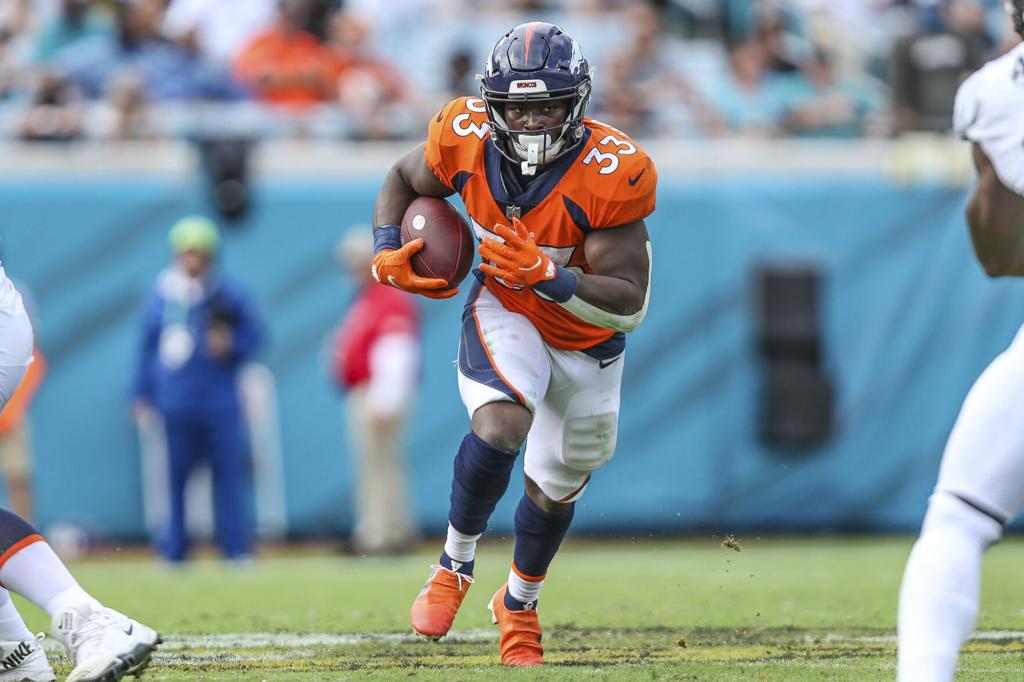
(103, 644)
(24, 662)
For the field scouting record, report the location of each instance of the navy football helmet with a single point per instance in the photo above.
(1016, 10)
(536, 61)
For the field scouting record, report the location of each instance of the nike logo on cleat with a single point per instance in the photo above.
(633, 181)
(608, 363)
(128, 628)
(17, 657)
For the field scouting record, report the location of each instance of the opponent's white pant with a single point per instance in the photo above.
(983, 463)
(574, 398)
(980, 487)
(15, 339)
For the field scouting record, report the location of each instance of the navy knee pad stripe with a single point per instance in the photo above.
(15, 534)
(538, 537)
(981, 509)
(480, 478)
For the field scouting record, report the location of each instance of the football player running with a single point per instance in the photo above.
(981, 479)
(558, 203)
(103, 645)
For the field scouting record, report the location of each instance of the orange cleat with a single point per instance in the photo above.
(519, 632)
(437, 603)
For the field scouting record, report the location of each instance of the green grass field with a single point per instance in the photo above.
(781, 609)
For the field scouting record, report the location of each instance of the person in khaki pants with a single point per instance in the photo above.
(376, 360)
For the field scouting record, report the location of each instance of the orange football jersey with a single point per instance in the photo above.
(606, 181)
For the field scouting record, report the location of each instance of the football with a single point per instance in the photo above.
(447, 240)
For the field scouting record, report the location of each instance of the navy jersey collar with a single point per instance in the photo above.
(538, 190)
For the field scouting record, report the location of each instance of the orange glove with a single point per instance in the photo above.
(519, 260)
(393, 267)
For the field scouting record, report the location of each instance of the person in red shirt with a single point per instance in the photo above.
(285, 65)
(376, 360)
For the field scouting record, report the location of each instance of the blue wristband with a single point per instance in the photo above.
(387, 238)
(561, 288)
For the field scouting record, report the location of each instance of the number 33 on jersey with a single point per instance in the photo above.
(606, 181)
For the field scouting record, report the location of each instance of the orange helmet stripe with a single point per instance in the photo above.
(529, 38)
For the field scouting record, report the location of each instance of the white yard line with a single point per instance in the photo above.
(290, 645)
(301, 641)
(255, 648)
(293, 640)
(979, 636)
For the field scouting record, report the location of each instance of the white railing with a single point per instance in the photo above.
(908, 159)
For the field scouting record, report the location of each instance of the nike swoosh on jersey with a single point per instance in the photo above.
(633, 181)
(608, 363)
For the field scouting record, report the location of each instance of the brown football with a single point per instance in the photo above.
(447, 240)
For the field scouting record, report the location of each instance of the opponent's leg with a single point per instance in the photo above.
(103, 644)
(939, 595)
(21, 657)
(12, 626)
(503, 372)
(30, 567)
(981, 485)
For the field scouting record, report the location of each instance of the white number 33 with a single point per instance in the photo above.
(609, 161)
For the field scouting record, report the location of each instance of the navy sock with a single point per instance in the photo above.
(513, 604)
(481, 475)
(465, 568)
(538, 537)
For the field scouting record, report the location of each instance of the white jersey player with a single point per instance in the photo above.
(103, 644)
(981, 480)
(15, 338)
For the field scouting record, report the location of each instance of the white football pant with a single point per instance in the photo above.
(980, 487)
(15, 339)
(574, 398)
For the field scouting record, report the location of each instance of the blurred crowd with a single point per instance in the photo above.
(370, 69)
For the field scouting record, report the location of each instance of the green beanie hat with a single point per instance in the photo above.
(194, 233)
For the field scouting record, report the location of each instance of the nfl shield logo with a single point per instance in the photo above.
(513, 212)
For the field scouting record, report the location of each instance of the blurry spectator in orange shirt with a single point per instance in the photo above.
(285, 65)
(15, 446)
(370, 89)
(376, 361)
(15, 442)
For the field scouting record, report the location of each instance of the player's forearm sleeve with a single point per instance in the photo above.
(589, 312)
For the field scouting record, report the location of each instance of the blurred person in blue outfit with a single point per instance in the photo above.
(198, 331)
(137, 48)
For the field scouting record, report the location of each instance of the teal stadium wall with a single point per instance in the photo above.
(909, 322)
